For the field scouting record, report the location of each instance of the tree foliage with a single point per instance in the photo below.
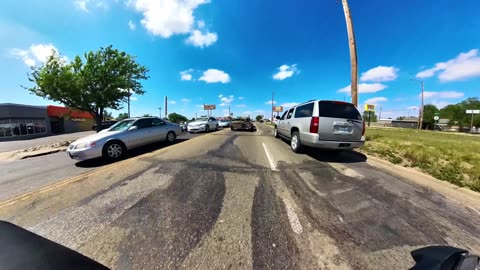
(93, 83)
(122, 116)
(177, 118)
(259, 117)
(147, 115)
(429, 112)
(457, 112)
(373, 116)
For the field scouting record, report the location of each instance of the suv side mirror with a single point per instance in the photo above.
(133, 128)
(278, 117)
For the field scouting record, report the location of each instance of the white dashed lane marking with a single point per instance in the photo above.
(273, 165)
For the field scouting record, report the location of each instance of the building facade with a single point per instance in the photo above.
(20, 122)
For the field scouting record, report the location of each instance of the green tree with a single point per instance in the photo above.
(193, 119)
(457, 112)
(147, 115)
(177, 118)
(373, 116)
(259, 117)
(107, 116)
(92, 83)
(429, 112)
(122, 116)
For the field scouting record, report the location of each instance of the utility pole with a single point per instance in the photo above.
(420, 111)
(166, 106)
(353, 53)
(160, 111)
(128, 102)
(380, 114)
(272, 105)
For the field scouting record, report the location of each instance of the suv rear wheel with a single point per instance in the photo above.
(295, 142)
(275, 132)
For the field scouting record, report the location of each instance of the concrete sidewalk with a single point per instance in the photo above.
(24, 144)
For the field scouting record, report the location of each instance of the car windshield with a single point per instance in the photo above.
(122, 125)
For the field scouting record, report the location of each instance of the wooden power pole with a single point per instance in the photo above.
(353, 53)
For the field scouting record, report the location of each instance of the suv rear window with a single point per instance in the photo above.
(304, 110)
(335, 109)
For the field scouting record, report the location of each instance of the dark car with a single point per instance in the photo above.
(242, 124)
(105, 124)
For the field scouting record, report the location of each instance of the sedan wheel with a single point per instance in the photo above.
(171, 137)
(113, 151)
(207, 128)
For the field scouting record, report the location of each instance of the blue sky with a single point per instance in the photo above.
(235, 53)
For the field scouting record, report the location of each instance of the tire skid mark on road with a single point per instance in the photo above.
(77, 225)
(170, 223)
(273, 241)
(228, 244)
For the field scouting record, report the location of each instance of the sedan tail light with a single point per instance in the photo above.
(314, 123)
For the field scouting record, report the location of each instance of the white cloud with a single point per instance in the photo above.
(364, 88)
(289, 104)
(219, 96)
(440, 104)
(464, 66)
(133, 98)
(444, 94)
(215, 76)
(270, 102)
(380, 74)
(285, 71)
(131, 25)
(167, 17)
(240, 98)
(199, 39)
(375, 100)
(173, 102)
(246, 113)
(186, 75)
(36, 53)
(241, 106)
(81, 4)
(412, 108)
(226, 100)
(200, 24)
(185, 100)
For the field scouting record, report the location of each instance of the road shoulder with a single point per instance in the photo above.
(461, 195)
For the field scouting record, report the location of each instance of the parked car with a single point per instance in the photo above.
(183, 126)
(114, 142)
(205, 124)
(322, 124)
(243, 124)
(105, 124)
(224, 123)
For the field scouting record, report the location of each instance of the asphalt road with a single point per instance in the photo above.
(21, 176)
(242, 200)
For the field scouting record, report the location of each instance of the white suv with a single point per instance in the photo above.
(322, 124)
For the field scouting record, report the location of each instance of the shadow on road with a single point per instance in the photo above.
(337, 156)
(342, 156)
(98, 162)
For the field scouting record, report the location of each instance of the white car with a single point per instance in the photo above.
(224, 123)
(114, 142)
(205, 124)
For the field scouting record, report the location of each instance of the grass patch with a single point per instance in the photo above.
(447, 156)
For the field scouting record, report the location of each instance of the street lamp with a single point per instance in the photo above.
(420, 122)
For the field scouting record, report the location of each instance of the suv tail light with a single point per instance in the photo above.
(363, 130)
(314, 123)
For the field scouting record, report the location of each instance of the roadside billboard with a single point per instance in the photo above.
(209, 107)
(369, 107)
(278, 108)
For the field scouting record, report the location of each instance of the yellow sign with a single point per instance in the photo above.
(369, 107)
(278, 108)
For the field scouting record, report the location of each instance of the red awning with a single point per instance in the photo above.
(61, 111)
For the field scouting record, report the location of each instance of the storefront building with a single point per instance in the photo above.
(20, 122)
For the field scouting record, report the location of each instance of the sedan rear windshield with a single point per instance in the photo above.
(336, 109)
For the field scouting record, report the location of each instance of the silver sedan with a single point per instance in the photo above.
(114, 142)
